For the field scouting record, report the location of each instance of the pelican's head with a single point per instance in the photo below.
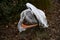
(30, 6)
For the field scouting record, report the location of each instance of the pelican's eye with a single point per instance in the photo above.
(29, 8)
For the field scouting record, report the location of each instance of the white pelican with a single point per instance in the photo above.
(33, 16)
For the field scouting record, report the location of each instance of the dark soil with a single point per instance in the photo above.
(10, 32)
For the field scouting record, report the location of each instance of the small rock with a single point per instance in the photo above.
(15, 23)
(6, 26)
(59, 10)
(16, 36)
(52, 39)
(59, 16)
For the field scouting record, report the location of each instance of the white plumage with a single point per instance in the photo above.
(29, 13)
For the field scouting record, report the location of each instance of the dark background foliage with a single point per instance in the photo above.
(10, 9)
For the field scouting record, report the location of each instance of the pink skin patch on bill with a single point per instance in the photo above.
(28, 26)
